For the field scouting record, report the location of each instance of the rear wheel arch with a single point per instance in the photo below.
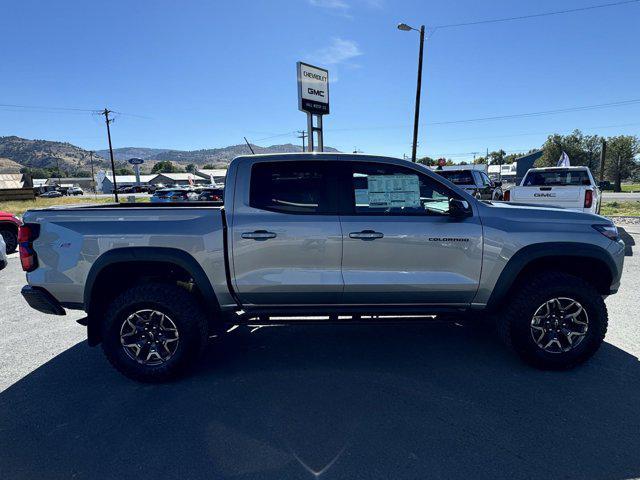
(590, 262)
(117, 270)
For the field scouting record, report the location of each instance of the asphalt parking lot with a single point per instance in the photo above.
(419, 401)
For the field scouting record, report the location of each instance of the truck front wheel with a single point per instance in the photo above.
(554, 321)
(153, 332)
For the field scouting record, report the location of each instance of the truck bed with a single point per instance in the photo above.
(72, 238)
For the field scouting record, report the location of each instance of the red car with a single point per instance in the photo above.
(9, 224)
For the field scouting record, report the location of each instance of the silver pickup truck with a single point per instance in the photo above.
(321, 234)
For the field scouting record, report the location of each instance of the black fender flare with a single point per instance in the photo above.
(530, 253)
(152, 254)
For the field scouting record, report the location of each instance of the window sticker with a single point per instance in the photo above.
(392, 191)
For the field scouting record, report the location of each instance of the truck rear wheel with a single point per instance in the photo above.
(555, 321)
(153, 332)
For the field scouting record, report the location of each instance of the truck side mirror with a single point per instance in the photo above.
(459, 208)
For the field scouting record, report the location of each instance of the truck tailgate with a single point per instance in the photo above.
(569, 197)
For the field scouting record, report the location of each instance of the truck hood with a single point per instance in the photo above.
(541, 213)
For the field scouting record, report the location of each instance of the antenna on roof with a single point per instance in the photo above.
(249, 145)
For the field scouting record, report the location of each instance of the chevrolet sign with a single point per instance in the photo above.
(313, 89)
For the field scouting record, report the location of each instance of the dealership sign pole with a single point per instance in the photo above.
(136, 162)
(313, 98)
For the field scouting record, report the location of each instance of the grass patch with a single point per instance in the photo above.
(626, 209)
(18, 207)
(633, 187)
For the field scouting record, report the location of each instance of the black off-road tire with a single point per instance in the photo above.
(514, 322)
(10, 239)
(185, 312)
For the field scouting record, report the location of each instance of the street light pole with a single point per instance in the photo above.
(416, 119)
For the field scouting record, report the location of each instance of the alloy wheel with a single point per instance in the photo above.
(149, 337)
(559, 325)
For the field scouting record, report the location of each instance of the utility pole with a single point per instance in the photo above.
(418, 88)
(58, 168)
(93, 180)
(106, 113)
(303, 136)
(603, 156)
(355, 150)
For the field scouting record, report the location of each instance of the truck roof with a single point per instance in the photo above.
(576, 167)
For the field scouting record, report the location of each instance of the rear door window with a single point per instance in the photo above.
(557, 178)
(291, 187)
(460, 177)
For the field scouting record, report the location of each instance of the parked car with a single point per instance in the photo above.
(172, 195)
(476, 182)
(3, 254)
(75, 191)
(9, 225)
(573, 188)
(211, 195)
(52, 194)
(332, 234)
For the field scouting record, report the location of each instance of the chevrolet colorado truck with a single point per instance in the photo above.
(321, 234)
(573, 188)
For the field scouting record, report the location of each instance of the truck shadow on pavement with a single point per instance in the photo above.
(419, 401)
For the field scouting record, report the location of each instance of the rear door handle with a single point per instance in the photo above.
(366, 235)
(259, 235)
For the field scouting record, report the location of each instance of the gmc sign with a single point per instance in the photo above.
(313, 89)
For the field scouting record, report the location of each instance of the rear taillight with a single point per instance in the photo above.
(27, 233)
(506, 196)
(216, 198)
(588, 198)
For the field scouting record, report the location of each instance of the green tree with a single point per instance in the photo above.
(209, 166)
(124, 171)
(622, 160)
(497, 157)
(166, 166)
(581, 149)
(191, 168)
(428, 161)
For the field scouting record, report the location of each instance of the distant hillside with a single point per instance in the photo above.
(46, 154)
(131, 152)
(9, 166)
(16, 152)
(200, 157)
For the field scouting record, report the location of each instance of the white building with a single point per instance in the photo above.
(104, 181)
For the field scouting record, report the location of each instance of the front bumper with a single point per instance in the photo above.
(39, 299)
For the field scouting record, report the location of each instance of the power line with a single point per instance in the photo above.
(276, 136)
(40, 107)
(535, 15)
(47, 109)
(503, 117)
(541, 113)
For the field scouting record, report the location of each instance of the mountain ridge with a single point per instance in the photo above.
(37, 154)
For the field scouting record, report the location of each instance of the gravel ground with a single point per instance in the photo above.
(625, 220)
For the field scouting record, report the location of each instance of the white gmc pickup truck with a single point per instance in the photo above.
(572, 188)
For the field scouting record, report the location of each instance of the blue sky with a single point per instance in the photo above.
(205, 73)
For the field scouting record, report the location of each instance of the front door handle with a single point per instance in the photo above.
(366, 235)
(259, 235)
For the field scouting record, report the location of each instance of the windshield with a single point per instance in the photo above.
(459, 177)
(557, 178)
